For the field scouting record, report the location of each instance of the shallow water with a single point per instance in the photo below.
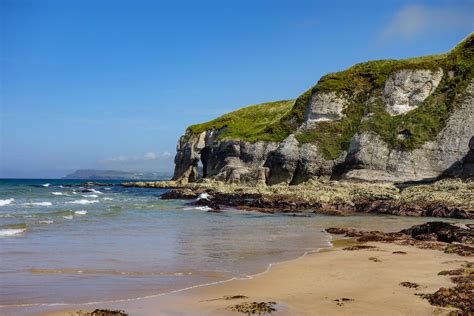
(61, 245)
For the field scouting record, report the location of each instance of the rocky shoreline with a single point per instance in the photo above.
(456, 239)
(447, 198)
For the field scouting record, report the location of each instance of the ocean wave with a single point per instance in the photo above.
(90, 190)
(107, 199)
(46, 185)
(68, 217)
(11, 231)
(6, 202)
(83, 202)
(56, 193)
(91, 196)
(80, 212)
(46, 222)
(111, 272)
(38, 204)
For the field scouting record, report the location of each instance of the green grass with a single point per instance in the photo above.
(249, 123)
(368, 79)
(359, 83)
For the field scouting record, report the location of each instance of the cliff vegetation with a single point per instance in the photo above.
(362, 85)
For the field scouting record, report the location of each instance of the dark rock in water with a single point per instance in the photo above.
(205, 202)
(440, 231)
(87, 190)
(179, 194)
(338, 230)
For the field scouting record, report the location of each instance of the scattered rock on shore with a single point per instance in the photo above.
(254, 308)
(432, 235)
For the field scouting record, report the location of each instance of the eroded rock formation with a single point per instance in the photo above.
(372, 108)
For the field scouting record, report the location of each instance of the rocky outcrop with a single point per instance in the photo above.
(371, 159)
(395, 121)
(324, 106)
(406, 89)
(228, 160)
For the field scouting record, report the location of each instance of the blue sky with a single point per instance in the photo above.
(113, 84)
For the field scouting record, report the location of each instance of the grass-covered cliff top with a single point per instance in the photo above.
(249, 123)
(275, 121)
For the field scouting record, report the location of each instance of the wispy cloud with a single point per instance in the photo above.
(415, 19)
(138, 158)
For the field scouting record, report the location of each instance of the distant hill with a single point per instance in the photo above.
(92, 174)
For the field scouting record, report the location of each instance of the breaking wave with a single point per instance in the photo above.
(38, 204)
(11, 231)
(83, 202)
(6, 202)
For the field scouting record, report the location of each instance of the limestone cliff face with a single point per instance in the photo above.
(370, 158)
(229, 161)
(369, 154)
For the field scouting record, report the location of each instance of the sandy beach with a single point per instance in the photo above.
(329, 282)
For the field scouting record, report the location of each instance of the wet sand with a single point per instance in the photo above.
(329, 282)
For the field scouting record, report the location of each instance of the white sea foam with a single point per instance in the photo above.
(96, 191)
(83, 202)
(6, 202)
(203, 196)
(46, 222)
(107, 189)
(46, 185)
(107, 199)
(38, 204)
(61, 186)
(80, 212)
(68, 217)
(91, 196)
(11, 231)
(202, 208)
(56, 193)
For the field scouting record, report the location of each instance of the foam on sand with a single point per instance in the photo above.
(83, 202)
(38, 204)
(6, 202)
(11, 231)
(80, 212)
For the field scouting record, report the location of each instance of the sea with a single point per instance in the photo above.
(62, 243)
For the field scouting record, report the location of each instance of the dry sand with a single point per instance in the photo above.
(312, 284)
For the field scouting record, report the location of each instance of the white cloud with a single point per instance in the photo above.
(166, 154)
(150, 156)
(145, 157)
(415, 19)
